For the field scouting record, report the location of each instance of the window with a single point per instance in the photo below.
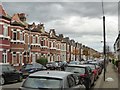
(20, 57)
(71, 81)
(4, 56)
(14, 58)
(89, 70)
(28, 40)
(5, 32)
(38, 40)
(21, 36)
(34, 41)
(4, 68)
(42, 43)
(14, 35)
(10, 68)
(50, 44)
(42, 82)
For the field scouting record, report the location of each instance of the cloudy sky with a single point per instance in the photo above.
(81, 21)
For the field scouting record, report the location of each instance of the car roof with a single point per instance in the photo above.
(75, 65)
(89, 64)
(94, 62)
(51, 74)
(4, 64)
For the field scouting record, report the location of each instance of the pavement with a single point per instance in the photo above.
(111, 78)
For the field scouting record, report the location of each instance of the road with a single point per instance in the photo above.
(12, 86)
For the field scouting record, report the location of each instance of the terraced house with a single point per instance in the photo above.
(22, 43)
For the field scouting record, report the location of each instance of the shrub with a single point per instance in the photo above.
(42, 61)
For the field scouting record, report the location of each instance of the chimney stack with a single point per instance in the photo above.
(22, 17)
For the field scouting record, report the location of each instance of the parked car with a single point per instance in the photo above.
(94, 70)
(63, 65)
(84, 72)
(59, 80)
(52, 65)
(31, 68)
(88, 61)
(74, 62)
(99, 68)
(8, 73)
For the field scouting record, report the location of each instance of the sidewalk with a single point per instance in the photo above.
(111, 78)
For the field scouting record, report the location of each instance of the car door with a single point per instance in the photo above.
(72, 82)
(6, 73)
(91, 75)
(13, 72)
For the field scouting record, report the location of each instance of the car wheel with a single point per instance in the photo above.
(88, 86)
(2, 80)
(20, 79)
(93, 83)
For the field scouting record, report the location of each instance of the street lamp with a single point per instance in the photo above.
(104, 37)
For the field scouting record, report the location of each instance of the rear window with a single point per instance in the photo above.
(92, 67)
(29, 66)
(42, 82)
(80, 70)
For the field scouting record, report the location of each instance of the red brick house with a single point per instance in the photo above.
(4, 36)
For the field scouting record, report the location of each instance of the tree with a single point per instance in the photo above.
(42, 61)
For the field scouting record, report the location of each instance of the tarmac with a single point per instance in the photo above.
(111, 79)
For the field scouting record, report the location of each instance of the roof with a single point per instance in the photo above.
(93, 62)
(3, 13)
(52, 74)
(4, 64)
(89, 64)
(74, 65)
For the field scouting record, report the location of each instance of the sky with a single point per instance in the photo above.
(81, 21)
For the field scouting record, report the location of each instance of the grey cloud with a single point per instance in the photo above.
(47, 11)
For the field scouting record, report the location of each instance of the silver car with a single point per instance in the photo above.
(52, 80)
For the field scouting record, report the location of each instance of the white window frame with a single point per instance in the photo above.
(5, 31)
(21, 36)
(20, 59)
(4, 56)
(38, 40)
(34, 39)
(14, 55)
(13, 35)
(28, 39)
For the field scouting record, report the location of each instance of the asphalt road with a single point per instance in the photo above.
(12, 85)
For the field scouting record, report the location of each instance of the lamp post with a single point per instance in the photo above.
(104, 38)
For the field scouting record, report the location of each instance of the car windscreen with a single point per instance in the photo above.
(79, 70)
(73, 62)
(42, 82)
(29, 66)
